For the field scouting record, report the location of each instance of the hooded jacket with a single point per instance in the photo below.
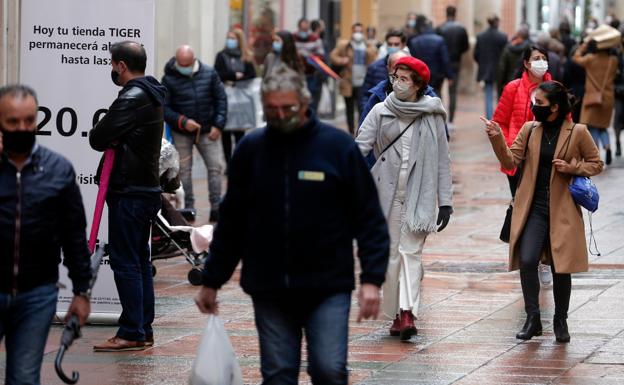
(133, 126)
(200, 97)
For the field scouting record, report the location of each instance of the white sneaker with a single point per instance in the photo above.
(545, 274)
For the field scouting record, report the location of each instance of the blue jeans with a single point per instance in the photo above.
(25, 321)
(600, 135)
(129, 221)
(489, 100)
(280, 322)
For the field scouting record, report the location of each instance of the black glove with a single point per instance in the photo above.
(444, 215)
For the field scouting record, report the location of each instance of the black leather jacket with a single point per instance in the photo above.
(133, 125)
(41, 212)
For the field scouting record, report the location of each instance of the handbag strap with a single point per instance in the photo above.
(604, 82)
(397, 138)
(567, 145)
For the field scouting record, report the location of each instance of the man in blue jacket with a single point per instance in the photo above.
(41, 213)
(299, 192)
(377, 71)
(196, 111)
(431, 48)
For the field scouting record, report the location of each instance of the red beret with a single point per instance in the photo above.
(417, 66)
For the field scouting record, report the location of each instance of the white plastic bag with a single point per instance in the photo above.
(216, 362)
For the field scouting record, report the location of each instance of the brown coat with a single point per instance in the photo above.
(568, 248)
(602, 67)
(344, 49)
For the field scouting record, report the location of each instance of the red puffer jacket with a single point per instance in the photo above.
(514, 108)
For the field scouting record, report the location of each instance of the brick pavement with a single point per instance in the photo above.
(471, 309)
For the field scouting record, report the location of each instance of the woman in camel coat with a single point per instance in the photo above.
(546, 221)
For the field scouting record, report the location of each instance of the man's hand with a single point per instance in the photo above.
(239, 75)
(206, 300)
(368, 299)
(192, 126)
(491, 127)
(0, 142)
(81, 307)
(345, 61)
(562, 166)
(444, 215)
(214, 134)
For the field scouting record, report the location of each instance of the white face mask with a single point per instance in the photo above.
(402, 90)
(539, 67)
(358, 36)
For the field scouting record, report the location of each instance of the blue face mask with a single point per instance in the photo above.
(411, 23)
(231, 43)
(303, 35)
(185, 71)
(392, 50)
(277, 46)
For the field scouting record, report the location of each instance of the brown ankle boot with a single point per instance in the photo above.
(395, 329)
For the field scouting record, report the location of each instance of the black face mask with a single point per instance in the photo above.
(115, 77)
(541, 113)
(18, 142)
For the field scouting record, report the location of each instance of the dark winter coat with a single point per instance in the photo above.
(375, 73)
(47, 201)
(200, 97)
(432, 49)
(456, 39)
(487, 52)
(293, 207)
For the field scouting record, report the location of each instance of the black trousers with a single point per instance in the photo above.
(226, 140)
(533, 240)
(351, 103)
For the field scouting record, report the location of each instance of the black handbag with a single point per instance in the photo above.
(505, 233)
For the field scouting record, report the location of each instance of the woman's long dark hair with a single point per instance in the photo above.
(289, 55)
(556, 93)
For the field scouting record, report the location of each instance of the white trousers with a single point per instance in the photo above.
(401, 289)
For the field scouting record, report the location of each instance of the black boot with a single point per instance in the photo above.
(618, 149)
(532, 327)
(560, 327)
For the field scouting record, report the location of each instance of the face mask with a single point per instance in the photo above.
(539, 67)
(286, 125)
(231, 43)
(541, 113)
(186, 71)
(277, 47)
(392, 50)
(303, 35)
(18, 142)
(411, 23)
(358, 36)
(115, 77)
(402, 90)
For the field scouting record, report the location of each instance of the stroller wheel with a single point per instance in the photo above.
(195, 277)
(153, 271)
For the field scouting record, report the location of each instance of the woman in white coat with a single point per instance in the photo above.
(413, 176)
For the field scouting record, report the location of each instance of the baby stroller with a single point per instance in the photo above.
(172, 235)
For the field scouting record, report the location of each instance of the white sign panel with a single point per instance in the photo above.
(64, 57)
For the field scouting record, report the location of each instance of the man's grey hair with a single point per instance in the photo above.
(19, 91)
(284, 78)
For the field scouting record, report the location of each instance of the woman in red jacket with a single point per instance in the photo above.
(514, 106)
